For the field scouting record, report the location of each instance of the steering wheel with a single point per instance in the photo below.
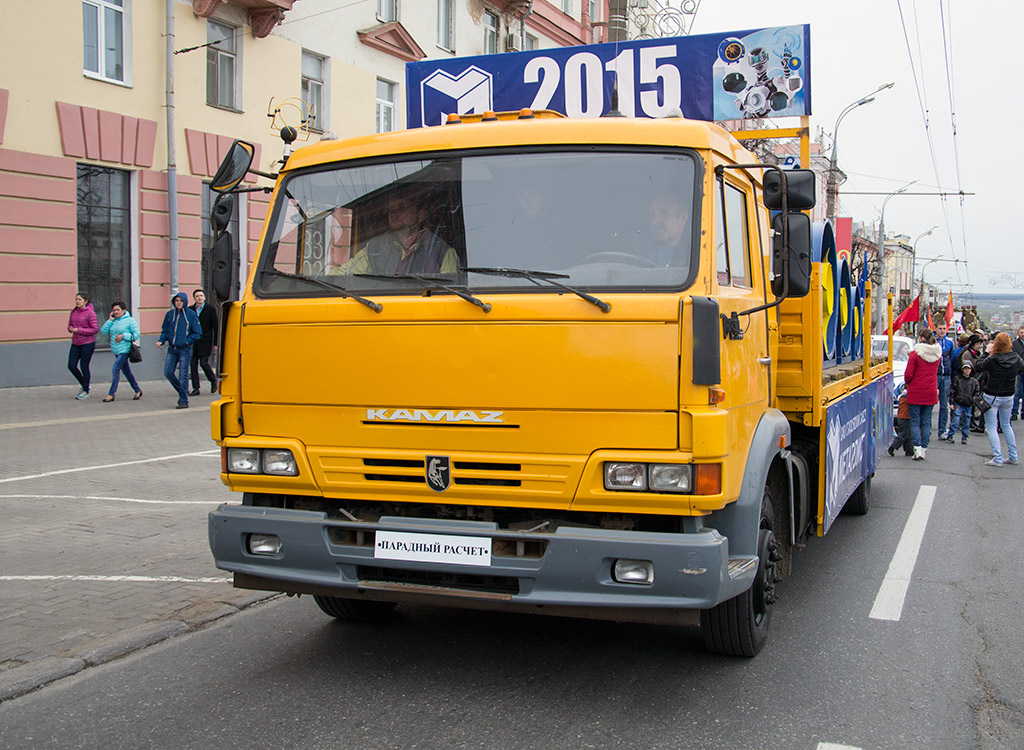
(611, 256)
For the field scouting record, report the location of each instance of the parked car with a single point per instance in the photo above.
(901, 348)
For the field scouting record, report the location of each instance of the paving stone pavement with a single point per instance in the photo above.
(103, 543)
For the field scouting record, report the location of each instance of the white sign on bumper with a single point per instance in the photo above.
(433, 548)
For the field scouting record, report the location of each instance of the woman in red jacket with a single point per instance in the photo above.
(922, 380)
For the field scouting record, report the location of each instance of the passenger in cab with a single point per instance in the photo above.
(670, 226)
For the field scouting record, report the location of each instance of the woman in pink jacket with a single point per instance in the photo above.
(922, 379)
(82, 325)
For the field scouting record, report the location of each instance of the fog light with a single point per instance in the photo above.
(625, 476)
(279, 462)
(633, 571)
(670, 477)
(264, 544)
(243, 460)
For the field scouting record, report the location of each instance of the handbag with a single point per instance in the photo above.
(982, 405)
(135, 353)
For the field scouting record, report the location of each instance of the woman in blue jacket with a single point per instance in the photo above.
(123, 330)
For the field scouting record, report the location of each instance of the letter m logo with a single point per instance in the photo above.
(471, 91)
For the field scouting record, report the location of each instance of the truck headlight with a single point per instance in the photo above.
(670, 477)
(625, 476)
(279, 462)
(243, 461)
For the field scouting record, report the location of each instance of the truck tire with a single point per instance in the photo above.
(739, 626)
(860, 501)
(363, 610)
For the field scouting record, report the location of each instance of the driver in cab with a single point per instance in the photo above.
(407, 247)
(670, 222)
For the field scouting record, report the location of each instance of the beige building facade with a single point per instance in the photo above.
(85, 154)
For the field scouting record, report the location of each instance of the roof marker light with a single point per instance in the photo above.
(526, 114)
(489, 116)
(453, 119)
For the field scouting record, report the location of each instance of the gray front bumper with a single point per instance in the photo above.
(692, 570)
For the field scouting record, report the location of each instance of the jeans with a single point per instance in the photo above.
(1017, 409)
(121, 364)
(921, 423)
(203, 362)
(1000, 409)
(943, 383)
(177, 359)
(80, 356)
(961, 419)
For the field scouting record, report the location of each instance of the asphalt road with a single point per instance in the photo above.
(945, 674)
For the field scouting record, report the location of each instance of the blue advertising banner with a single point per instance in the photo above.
(857, 429)
(725, 76)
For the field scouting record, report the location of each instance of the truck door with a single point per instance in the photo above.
(745, 363)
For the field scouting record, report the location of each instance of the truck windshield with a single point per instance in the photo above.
(598, 219)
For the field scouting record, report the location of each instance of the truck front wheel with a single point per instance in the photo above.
(353, 609)
(739, 626)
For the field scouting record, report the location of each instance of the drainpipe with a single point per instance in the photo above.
(172, 168)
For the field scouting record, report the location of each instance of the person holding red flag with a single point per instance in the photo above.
(944, 377)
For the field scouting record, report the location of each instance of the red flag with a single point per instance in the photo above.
(949, 309)
(912, 313)
(930, 324)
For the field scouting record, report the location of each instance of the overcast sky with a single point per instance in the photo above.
(855, 48)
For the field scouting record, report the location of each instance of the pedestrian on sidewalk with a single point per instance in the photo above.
(123, 330)
(180, 330)
(966, 392)
(921, 378)
(1002, 367)
(83, 327)
(902, 438)
(1018, 395)
(203, 348)
(944, 375)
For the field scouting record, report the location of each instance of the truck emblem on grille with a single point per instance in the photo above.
(439, 473)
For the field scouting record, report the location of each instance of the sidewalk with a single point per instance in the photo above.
(103, 545)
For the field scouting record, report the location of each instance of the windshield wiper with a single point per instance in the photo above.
(327, 285)
(429, 282)
(537, 276)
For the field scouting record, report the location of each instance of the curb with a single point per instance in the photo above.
(27, 678)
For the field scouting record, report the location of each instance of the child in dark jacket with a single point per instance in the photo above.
(902, 438)
(965, 393)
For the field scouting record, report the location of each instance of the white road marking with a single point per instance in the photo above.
(834, 746)
(113, 499)
(118, 579)
(889, 602)
(96, 418)
(215, 452)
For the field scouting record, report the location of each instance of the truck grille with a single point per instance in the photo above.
(460, 581)
(465, 473)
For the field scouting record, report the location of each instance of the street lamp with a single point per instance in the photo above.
(913, 254)
(832, 191)
(881, 250)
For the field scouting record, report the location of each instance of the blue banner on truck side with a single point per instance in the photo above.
(725, 76)
(858, 428)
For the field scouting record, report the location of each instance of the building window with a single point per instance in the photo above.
(567, 6)
(313, 89)
(387, 10)
(530, 42)
(595, 11)
(385, 106)
(104, 239)
(445, 29)
(221, 65)
(106, 35)
(491, 27)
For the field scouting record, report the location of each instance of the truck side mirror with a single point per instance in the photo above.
(225, 261)
(800, 191)
(799, 271)
(234, 167)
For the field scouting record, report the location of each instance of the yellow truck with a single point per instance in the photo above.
(536, 364)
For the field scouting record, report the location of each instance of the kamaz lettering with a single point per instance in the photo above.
(422, 415)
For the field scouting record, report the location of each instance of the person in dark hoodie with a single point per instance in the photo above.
(921, 378)
(1002, 366)
(203, 348)
(180, 330)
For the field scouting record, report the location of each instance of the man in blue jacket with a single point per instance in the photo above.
(180, 330)
(945, 371)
